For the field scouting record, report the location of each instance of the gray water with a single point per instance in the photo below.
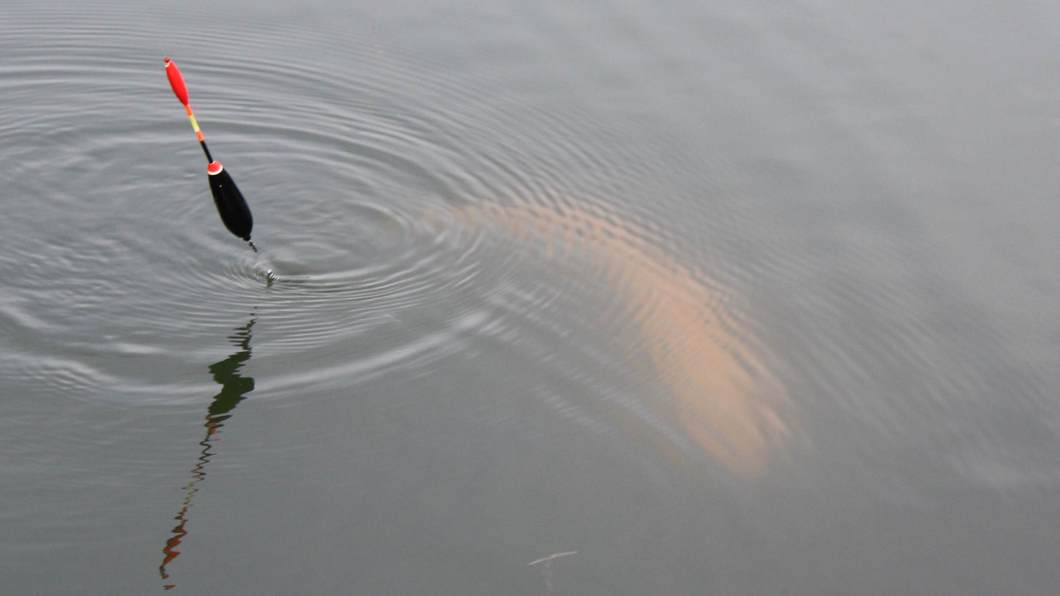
(572, 298)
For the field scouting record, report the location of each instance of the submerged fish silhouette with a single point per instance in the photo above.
(725, 398)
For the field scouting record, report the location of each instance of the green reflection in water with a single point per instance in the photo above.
(234, 388)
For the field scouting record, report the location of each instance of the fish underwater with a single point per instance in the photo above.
(724, 398)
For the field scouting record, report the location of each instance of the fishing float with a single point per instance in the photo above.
(233, 209)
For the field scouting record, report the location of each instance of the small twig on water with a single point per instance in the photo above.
(546, 569)
(551, 557)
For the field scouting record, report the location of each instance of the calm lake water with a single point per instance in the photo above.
(734, 298)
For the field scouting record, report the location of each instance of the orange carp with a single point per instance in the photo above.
(724, 397)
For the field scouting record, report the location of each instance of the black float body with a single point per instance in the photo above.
(230, 203)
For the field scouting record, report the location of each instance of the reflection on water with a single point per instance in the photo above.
(234, 388)
(725, 399)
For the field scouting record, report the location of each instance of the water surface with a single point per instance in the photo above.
(594, 298)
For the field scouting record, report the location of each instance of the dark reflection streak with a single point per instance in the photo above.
(234, 389)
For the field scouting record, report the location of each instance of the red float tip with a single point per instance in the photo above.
(166, 60)
(176, 80)
(215, 167)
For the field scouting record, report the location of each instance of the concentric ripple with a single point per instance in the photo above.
(403, 220)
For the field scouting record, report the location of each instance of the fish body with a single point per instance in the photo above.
(725, 400)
